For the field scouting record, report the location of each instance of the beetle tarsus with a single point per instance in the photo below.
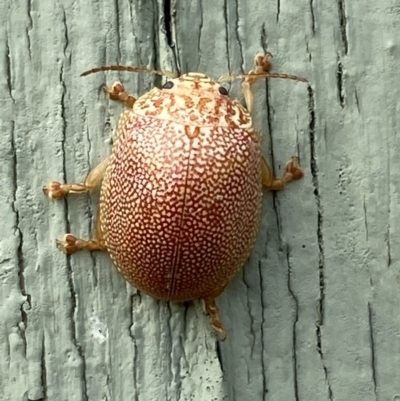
(216, 323)
(262, 63)
(117, 92)
(293, 168)
(293, 172)
(71, 244)
(55, 190)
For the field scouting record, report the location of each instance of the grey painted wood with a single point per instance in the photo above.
(314, 315)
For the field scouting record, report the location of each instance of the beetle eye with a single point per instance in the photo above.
(223, 91)
(168, 85)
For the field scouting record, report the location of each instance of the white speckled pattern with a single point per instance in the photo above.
(181, 201)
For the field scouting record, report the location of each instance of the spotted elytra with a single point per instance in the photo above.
(181, 192)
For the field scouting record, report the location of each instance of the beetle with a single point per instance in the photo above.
(181, 192)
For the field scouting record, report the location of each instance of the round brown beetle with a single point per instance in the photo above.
(181, 192)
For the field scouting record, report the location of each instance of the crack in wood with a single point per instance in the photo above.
(252, 331)
(170, 377)
(169, 10)
(200, 33)
(43, 376)
(238, 35)
(263, 309)
(20, 240)
(167, 22)
(340, 86)
(321, 256)
(278, 10)
(70, 280)
(66, 35)
(296, 319)
(357, 100)
(218, 353)
(89, 205)
(372, 341)
(312, 16)
(8, 69)
(135, 300)
(365, 219)
(156, 43)
(118, 30)
(29, 28)
(387, 241)
(343, 24)
(225, 12)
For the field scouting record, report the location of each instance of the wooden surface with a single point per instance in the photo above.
(314, 316)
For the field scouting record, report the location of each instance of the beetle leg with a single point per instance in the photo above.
(99, 233)
(56, 190)
(117, 92)
(292, 172)
(216, 323)
(262, 64)
(71, 244)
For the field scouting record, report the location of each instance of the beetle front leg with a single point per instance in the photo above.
(262, 64)
(216, 323)
(117, 92)
(56, 190)
(293, 172)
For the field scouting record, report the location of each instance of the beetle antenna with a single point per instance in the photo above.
(228, 77)
(166, 73)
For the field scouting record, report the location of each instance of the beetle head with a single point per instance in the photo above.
(196, 100)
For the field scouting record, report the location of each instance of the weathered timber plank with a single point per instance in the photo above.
(313, 316)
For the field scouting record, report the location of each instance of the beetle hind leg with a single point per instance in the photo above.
(216, 323)
(71, 244)
(293, 172)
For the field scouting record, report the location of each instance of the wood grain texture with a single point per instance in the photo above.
(314, 315)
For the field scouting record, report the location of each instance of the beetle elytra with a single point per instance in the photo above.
(181, 192)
